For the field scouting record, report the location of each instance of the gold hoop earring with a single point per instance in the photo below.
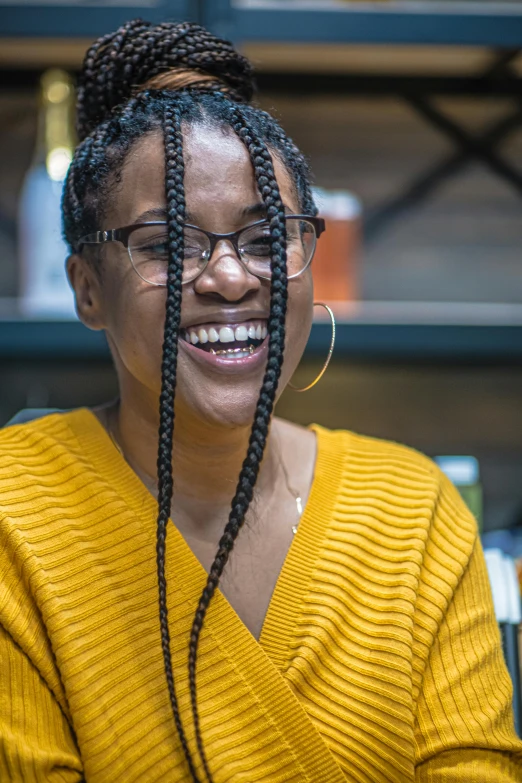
(330, 351)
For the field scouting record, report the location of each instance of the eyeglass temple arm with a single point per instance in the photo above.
(99, 237)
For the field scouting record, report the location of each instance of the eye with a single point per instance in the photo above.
(193, 251)
(256, 242)
(155, 246)
(158, 248)
(196, 245)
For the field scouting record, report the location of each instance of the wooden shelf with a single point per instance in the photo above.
(493, 24)
(389, 331)
(463, 23)
(70, 19)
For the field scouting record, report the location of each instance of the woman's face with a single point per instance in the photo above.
(221, 196)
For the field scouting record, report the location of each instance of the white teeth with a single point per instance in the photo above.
(226, 335)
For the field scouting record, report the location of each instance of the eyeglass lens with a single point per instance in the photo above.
(148, 250)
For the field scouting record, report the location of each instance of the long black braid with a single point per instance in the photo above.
(112, 115)
(175, 197)
(267, 184)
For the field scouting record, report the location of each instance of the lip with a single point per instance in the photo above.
(225, 317)
(224, 365)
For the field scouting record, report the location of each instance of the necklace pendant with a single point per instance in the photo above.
(299, 504)
(294, 529)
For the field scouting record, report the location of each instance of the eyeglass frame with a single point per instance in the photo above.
(123, 234)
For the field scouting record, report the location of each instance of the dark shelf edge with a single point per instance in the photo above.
(423, 342)
(70, 341)
(482, 25)
(59, 340)
(381, 25)
(86, 21)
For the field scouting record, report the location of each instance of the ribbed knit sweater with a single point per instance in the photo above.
(379, 659)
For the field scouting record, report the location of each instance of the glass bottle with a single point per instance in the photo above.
(336, 261)
(44, 289)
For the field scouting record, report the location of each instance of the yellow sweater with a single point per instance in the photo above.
(379, 660)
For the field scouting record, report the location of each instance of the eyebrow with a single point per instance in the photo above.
(160, 213)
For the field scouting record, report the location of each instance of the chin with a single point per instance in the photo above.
(220, 394)
(223, 411)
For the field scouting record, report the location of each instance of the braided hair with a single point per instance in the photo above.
(136, 80)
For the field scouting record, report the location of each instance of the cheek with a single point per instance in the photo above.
(298, 321)
(135, 328)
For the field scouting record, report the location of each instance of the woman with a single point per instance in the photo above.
(365, 647)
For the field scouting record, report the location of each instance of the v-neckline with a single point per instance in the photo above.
(294, 577)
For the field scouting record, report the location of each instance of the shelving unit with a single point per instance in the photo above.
(394, 331)
(442, 377)
(374, 331)
(85, 20)
(462, 22)
(484, 340)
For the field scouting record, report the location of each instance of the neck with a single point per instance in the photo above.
(206, 461)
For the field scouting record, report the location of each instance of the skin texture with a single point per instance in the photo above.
(214, 410)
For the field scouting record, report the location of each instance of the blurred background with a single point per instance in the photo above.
(411, 115)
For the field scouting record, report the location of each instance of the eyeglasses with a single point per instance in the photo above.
(147, 246)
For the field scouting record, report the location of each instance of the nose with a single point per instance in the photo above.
(225, 275)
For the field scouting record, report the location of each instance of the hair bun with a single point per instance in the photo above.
(118, 64)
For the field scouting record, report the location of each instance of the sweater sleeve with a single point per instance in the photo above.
(464, 728)
(37, 743)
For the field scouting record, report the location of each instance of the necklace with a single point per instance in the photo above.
(152, 486)
(295, 495)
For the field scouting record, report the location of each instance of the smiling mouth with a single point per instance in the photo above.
(234, 341)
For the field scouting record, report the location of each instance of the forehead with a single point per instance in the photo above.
(218, 178)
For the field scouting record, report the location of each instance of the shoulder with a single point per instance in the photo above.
(35, 456)
(392, 467)
(391, 493)
(30, 430)
(371, 468)
(377, 452)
